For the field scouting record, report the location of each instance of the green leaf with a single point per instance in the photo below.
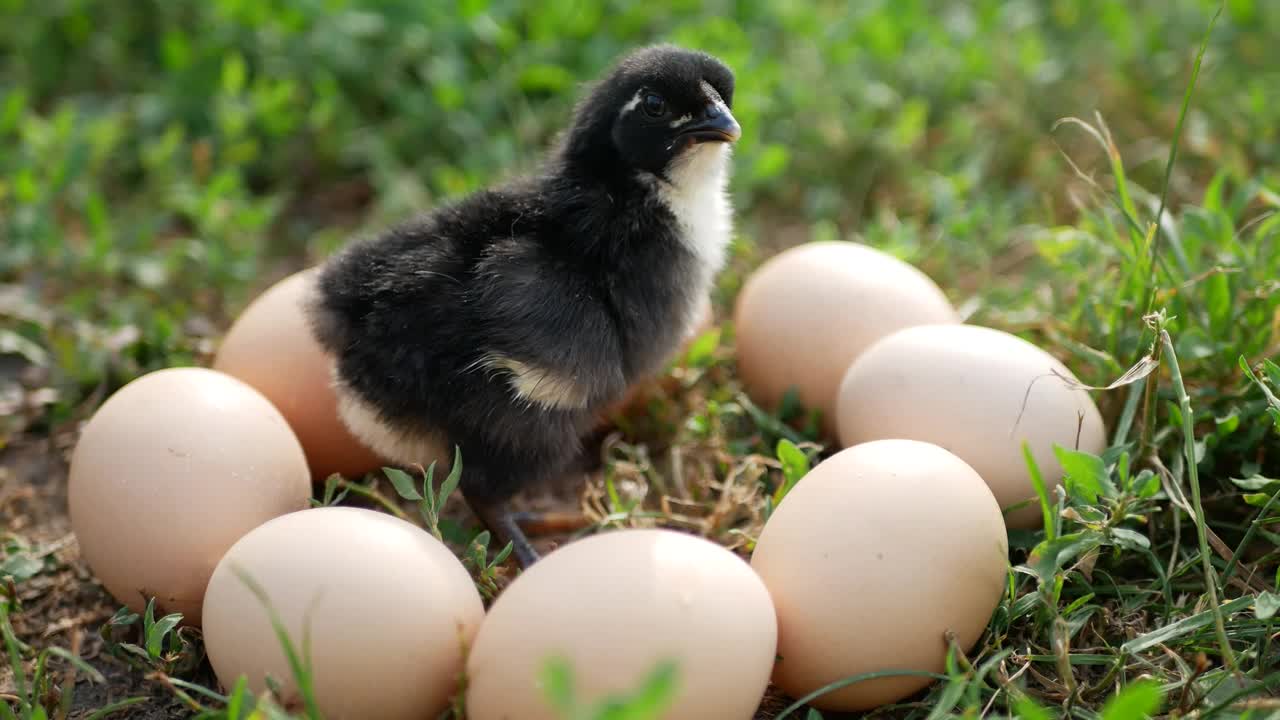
(1273, 372)
(1052, 555)
(330, 489)
(123, 617)
(542, 77)
(429, 502)
(1042, 491)
(557, 684)
(1139, 700)
(1147, 484)
(503, 554)
(155, 638)
(479, 547)
(813, 715)
(1086, 475)
(1130, 539)
(795, 465)
(1256, 482)
(1256, 499)
(234, 72)
(13, 107)
(1218, 301)
(148, 618)
(451, 481)
(402, 483)
(701, 351)
(1267, 605)
(135, 649)
(650, 701)
(21, 566)
(950, 696)
(771, 161)
(1027, 709)
(236, 701)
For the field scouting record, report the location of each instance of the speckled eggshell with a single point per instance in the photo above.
(870, 559)
(805, 314)
(613, 606)
(270, 347)
(170, 471)
(390, 611)
(978, 392)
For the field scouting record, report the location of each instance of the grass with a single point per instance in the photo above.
(1085, 174)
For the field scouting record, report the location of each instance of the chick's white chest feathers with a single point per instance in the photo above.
(695, 193)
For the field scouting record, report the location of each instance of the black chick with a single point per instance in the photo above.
(503, 323)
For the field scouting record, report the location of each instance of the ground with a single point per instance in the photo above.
(1077, 173)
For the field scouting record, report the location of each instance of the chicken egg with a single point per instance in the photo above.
(805, 314)
(870, 559)
(170, 471)
(615, 605)
(270, 347)
(978, 392)
(388, 607)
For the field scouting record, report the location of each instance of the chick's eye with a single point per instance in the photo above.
(654, 105)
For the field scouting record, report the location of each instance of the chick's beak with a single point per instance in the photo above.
(716, 124)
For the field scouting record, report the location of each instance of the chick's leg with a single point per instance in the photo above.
(497, 518)
(487, 486)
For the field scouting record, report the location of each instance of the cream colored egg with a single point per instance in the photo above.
(805, 314)
(979, 393)
(170, 471)
(271, 347)
(389, 607)
(614, 606)
(870, 559)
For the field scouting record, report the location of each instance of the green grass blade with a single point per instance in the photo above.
(557, 685)
(198, 689)
(299, 666)
(78, 662)
(1042, 492)
(1138, 701)
(1189, 451)
(1173, 152)
(1258, 521)
(108, 710)
(236, 703)
(1184, 626)
(15, 653)
(853, 680)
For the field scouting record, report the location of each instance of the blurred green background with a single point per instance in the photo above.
(162, 162)
(159, 161)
